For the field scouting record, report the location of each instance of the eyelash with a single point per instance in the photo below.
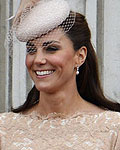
(52, 48)
(32, 49)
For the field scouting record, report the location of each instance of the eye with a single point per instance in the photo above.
(52, 48)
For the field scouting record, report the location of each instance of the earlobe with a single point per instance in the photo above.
(81, 55)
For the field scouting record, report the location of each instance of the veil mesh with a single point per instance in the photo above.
(26, 25)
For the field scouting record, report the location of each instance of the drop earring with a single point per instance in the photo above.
(77, 72)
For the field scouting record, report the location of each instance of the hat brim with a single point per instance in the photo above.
(42, 18)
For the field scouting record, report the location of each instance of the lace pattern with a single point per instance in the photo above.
(79, 132)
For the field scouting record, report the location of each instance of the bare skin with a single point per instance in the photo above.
(65, 99)
(64, 106)
(58, 92)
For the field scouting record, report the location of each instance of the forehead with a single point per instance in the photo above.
(55, 35)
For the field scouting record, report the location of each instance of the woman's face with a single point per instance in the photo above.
(51, 61)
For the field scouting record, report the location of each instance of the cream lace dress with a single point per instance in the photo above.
(83, 131)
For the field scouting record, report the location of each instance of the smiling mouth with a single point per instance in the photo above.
(44, 73)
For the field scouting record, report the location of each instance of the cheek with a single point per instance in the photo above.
(62, 60)
(28, 61)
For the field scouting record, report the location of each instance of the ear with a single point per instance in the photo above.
(80, 57)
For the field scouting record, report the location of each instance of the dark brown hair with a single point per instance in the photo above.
(88, 83)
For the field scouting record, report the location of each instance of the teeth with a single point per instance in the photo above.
(41, 73)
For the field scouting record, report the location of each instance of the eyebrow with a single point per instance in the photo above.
(49, 42)
(30, 43)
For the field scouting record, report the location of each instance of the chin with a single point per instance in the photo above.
(46, 89)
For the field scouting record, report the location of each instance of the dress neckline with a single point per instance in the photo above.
(52, 116)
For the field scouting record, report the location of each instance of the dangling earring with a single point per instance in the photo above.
(77, 72)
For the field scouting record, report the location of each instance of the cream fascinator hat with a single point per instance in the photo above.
(45, 16)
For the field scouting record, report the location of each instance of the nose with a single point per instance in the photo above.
(39, 58)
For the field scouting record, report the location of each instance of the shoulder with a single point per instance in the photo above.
(105, 121)
(109, 120)
(112, 120)
(7, 121)
(112, 116)
(7, 116)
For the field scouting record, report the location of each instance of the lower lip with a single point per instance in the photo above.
(43, 76)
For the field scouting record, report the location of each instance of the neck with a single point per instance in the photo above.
(65, 101)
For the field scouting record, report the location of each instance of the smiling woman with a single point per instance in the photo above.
(51, 62)
(66, 109)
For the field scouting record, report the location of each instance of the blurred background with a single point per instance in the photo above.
(104, 21)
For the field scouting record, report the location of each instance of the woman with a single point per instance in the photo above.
(66, 109)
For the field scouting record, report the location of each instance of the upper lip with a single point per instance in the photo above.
(44, 70)
(40, 70)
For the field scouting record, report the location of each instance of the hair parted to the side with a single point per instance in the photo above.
(88, 83)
